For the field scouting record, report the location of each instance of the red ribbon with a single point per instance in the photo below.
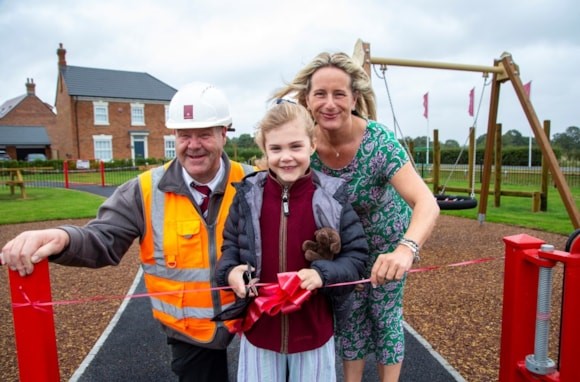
(284, 297)
(288, 283)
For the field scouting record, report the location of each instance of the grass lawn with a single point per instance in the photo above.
(517, 211)
(47, 204)
(57, 203)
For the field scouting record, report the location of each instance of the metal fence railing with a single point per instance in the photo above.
(510, 175)
(37, 175)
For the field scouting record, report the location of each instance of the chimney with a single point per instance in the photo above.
(61, 52)
(30, 86)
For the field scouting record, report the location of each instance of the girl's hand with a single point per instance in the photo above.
(310, 279)
(236, 280)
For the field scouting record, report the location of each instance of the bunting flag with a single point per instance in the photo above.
(471, 95)
(528, 88)
(426, 105)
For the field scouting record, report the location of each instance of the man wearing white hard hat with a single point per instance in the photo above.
(178, 213)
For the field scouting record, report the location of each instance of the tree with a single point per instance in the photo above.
(421, 141)
(513, 138)
(451, 144)
(481, 140)
(568, 141)
(246, 141)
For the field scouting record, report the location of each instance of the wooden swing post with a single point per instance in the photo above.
(504, 69)
(512, 73)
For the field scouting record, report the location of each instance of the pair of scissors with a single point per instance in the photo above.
(250, 282)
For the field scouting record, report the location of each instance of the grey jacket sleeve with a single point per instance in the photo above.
(105, 240)
(230, 256)
(350, 264)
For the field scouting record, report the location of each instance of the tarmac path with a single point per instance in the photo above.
(133, 347)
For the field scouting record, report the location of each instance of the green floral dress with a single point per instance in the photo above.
(376, 323)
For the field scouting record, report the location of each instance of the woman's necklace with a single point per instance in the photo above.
(336, 152)
(331, 146)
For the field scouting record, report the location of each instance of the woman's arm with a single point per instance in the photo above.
(415, 192)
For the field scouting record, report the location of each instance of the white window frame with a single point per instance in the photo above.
(101, 113)
(103, 147)
(137, 114)
(166, 113)
(169, 146)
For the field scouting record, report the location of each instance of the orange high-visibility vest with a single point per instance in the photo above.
(178, 253)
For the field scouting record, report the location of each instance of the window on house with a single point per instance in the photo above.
(137, 114)
(169, 145)
(103, 146)
(101, 111)
(166, 113)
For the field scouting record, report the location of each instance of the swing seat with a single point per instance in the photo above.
(453, 202)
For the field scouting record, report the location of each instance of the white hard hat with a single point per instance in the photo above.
(198, 105)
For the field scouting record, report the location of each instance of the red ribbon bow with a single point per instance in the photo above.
(284, 297)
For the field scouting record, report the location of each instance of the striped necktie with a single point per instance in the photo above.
(205, 190)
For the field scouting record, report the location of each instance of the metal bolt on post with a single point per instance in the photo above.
(539, 363)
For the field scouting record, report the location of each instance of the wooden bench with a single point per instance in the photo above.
(15, 183)
(16, 180)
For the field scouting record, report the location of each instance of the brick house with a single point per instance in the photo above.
(24, 124)
(110, 114)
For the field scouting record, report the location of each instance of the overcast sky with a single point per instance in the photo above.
(249, 48)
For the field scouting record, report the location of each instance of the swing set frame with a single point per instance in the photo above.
(504, 69)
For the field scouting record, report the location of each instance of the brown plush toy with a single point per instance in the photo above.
(326, 244)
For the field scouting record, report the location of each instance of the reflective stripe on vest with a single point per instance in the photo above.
(177, 252)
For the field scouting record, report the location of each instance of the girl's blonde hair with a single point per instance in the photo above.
(282, 112)
(360, 82)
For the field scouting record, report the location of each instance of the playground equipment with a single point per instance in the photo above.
(445, 202)
(504, 69)
(529, 264)
(455, 202)
(539, 197)
(449, 202)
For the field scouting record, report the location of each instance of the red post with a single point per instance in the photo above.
(65, 170)
(570, 317)
(102, 170)
(34, 326)
(519, 305)
(523, 259)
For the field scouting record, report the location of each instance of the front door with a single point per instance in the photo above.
(139, 149)
(138, 146)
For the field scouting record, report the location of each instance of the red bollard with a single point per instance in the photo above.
(569, 369)
(519, 305)
(102, 171)
(65, 170)
(34, 325)
(525, 256)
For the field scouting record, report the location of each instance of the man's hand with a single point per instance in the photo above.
(31, 247)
